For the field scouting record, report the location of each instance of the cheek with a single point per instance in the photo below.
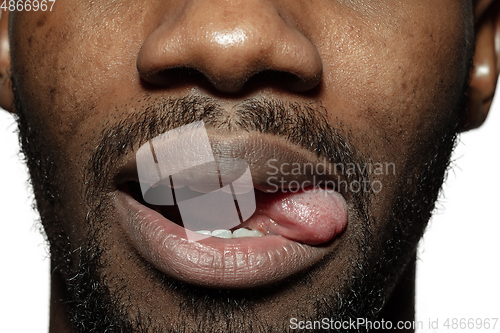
(395, 84)
(397, 78)
(67, 67)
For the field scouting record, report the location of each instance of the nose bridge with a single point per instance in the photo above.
(229, 41)
(230, 34)
(215, 16)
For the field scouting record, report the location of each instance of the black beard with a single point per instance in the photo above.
(94, 308)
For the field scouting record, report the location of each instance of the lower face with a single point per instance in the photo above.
(390, 96)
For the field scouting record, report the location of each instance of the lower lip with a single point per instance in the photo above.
(213, 262)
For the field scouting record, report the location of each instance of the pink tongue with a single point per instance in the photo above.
(312, 216)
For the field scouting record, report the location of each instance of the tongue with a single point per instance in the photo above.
(313, 216)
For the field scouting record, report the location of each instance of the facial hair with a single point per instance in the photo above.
(92, 306)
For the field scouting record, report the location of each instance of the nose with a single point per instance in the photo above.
(230, 42)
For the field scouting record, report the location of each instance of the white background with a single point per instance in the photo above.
(458, 266)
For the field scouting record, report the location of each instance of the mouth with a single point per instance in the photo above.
(292, 224)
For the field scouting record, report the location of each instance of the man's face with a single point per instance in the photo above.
(375, 84)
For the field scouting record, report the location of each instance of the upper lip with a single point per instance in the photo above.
(235, 263)
(263, 153)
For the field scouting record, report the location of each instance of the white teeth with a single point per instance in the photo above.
(243, 232)
(222, 233)
(239, 233)
(205, 232)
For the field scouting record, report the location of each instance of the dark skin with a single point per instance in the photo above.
(390, 73)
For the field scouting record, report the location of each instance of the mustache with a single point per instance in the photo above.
(303, 124)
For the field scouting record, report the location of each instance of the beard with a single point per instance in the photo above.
(98, 301)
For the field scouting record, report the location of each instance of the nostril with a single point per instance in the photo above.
(188, 77)
(177, 76)
(274, 79)
(280, 79)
